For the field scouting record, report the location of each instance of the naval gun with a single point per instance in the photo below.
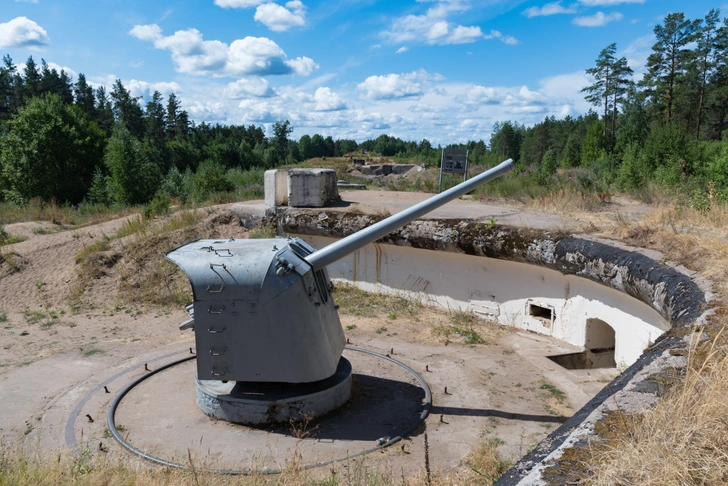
(263, 311)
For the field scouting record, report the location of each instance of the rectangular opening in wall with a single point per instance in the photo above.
(540, 312)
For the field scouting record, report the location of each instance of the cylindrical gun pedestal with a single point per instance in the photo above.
(268, 403)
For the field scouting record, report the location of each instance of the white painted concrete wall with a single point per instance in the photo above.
(276, 188)
(501, 290)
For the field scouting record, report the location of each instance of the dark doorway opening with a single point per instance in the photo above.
(599, 352)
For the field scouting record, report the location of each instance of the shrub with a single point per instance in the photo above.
(210, 178)
(158, 206)
(134, 177)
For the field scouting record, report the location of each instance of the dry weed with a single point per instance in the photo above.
(570, 201)
(684, 438)
(486, 462)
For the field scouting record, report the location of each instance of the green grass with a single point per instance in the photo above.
(8, 239)
(10, 262)
(91, 352)
(262, 232)
(553, 391)
(354, 301)
(3, 317)
(62, 215)
(34, 317)
(462, 325)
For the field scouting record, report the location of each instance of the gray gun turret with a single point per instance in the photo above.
(262, 309)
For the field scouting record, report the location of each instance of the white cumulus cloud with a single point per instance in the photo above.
(243, 57)
(280, 19)
(607, 3)
(251, 86)
(506, 39)
(238, 3)
(391, 86)
(21, 32)
(433, 27)
(143, 88)
(552, 8)
(70, 72)
(261, 112)
(327, 100)
(599, 19)
(303, 66)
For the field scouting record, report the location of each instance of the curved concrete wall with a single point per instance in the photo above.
(585, 269)
(503, 291)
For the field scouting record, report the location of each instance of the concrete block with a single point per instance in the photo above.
(312, 188)
(276, 189)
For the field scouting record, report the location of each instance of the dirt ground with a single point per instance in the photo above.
(55, 359)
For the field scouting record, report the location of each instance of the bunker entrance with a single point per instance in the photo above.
(599, 352)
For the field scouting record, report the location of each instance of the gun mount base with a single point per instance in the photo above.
(252, 403)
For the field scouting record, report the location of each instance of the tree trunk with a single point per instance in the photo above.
(614, 121)
(702, 97)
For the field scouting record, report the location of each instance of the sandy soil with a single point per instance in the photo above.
(54, 361)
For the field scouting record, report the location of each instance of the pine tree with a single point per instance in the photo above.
(598, 93)
(669, 61)
(706, 52)
(84, 97)
(718, 94)
(104, 113)
(31, 80)
(620, 83)
(7, 89)
(127, 109)
(156, 120)
(173, 106)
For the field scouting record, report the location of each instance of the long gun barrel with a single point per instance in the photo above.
(338, 250)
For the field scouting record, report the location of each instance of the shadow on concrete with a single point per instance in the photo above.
(486, 412)
(342, 204)
(378, 407)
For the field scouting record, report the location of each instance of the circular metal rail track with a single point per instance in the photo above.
(117, 436)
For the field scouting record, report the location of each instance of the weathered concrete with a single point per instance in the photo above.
(250, 403)
(385, 169)
(276, 189)
(681, 297)
(673, 294)
(505, 292)
(312, 188)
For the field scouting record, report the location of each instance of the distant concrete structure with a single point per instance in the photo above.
(312, 188)
(300, 188)
(385, 169)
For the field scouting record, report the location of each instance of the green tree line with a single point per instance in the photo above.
(70, 142)
(667, 129)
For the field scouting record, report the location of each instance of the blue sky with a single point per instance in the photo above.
(443, 70)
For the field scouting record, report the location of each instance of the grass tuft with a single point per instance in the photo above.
(683, 439)
(486, 462)
(354, 301)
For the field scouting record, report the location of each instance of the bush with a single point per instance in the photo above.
(633, 172)
(245, 178)
(158, 206)
(134, 177)
(174, 184)
(99, 192)
(50, 151)
(210, 178)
